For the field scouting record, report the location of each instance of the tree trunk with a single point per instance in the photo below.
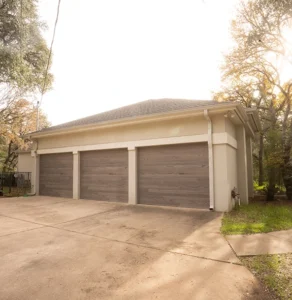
(9, 163)
(272, 184)
(261, 166)
(287, 172)
(287, 179)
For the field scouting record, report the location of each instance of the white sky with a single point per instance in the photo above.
(111, 53)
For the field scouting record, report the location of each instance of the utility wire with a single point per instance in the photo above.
(48, 63)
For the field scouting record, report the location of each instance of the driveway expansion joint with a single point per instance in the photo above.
(87, 216)
(112, 240)
(230, 246)
(22, 220)
(147, 247)
(45, 204)
(22, 231)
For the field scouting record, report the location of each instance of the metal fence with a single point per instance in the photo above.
(15, 183)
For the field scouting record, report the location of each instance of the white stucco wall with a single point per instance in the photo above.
(230, 128)
(249, 160)
(225, 176)
(218, 122)
(155, 130)
(231, 171)
(25, 162)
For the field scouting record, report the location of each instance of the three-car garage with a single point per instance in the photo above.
(171, 175)
(166, 152)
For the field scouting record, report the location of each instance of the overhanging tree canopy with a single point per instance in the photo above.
(252, 75)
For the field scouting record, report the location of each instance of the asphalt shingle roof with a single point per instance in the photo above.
(148, 107)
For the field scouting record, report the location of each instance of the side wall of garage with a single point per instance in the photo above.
(25, 162)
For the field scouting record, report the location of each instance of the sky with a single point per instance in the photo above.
(111, 53)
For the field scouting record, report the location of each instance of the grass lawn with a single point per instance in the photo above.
(257, 218)
(275, 271)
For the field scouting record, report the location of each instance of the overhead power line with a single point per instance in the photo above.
(48, 63)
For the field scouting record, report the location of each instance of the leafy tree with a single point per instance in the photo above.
(16, 120)
(23, 65)
(23, 51)
(251, 74)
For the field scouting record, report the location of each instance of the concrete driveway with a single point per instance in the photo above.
(56, 248)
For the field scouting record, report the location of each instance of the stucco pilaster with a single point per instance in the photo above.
(132, 178)
(76, 175)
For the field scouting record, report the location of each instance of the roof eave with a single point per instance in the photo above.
(253, 112)
(136, 120)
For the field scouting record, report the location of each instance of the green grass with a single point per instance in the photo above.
(275, 271)
(15, 192)
(264, 187)
(257, 218)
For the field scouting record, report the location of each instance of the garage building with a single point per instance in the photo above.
(168, 152)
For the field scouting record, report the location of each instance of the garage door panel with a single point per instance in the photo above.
(178, 201)
(52, 181)
(52, 171)
(103, 187)
(184, 186)
(56, 175)
(93, 171)
(159, 155)
(168, 170)
(166, 177)
(112, 196)
(104, 175)
(174, 175)
(180, 161)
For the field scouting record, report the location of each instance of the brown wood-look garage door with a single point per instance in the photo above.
(56, 175)
(104, 175)
(174, 175)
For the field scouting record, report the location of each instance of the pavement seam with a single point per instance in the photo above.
(113, 240)
(21, 231)
(98, 213)
(230, 246)
(23, 220)
(253, 275)
(146, 247)
(57, 202)
(32, 222)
